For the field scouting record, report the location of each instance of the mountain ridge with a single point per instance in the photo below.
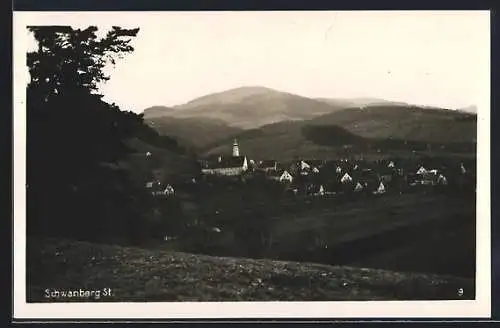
(253, 106)
(208, 121)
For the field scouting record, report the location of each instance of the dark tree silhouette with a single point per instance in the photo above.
(75, 140)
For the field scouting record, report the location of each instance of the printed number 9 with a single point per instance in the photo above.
(460, 292)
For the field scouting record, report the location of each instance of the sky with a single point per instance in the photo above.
(427, 58)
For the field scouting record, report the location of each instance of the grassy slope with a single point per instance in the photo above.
(304, 139)
(171, 165)
(424, 232)
(452, 249)
(136, 274)
(192, 132)
(404, 122)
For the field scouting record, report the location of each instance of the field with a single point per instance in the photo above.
(420, 231)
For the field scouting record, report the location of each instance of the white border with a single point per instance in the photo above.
(480, 308)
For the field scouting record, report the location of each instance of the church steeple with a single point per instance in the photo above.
(236, 149)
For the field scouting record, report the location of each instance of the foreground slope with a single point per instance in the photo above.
(136, 274)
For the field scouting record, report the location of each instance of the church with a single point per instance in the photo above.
(228, 166)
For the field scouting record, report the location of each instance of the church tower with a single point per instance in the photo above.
(236, 149)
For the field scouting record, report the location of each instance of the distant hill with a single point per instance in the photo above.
(404, 122)
(249, 107)
(373, 130)
(196, 132)
(157, 111)
(469, 109)
(271, 123)
(360, 102)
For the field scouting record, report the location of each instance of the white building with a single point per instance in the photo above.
(358, 187)
(421, 170)
(285, 177)
(380, 189)
(169, 190)
(346, 178)
(228, 166)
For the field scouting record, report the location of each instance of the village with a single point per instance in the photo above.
(313, 209)
(317, 177)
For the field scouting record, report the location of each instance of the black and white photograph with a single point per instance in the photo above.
(252, 164)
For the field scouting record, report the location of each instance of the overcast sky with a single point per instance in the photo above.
(428, 58)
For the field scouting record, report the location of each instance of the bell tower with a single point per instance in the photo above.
(236, 148)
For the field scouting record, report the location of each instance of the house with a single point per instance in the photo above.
(462, 168)
(315, 189)
(358, 187)
(346, 178)
(156, 189)
(315, 170)
(442, 180)
(391, 164)
(280, 176)
(285, 177)
(338, 170)
(425, 177)
(268, 165)
(169, 190)
(304, 166)
(421, 170)
(228, 166)
(380, 189)
(321, 191)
